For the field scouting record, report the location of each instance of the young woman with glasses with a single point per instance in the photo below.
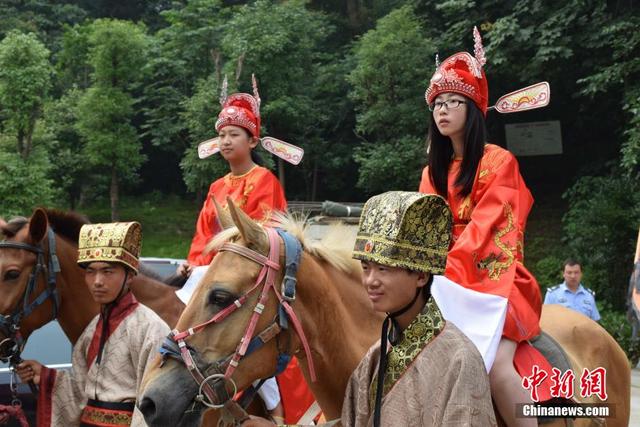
(490, 204)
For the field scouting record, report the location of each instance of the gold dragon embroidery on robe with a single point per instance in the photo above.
(497, 264)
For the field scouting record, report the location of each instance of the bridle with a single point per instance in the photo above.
(13, 343)
(215, 395)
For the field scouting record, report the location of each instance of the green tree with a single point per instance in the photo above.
(70, 170)
(25, 182)
(388, 82)
(105, 112)
(200, 117)
(72, 65)
(620, 74)
(601, 226)
(183, 53)
(25, 76)
(45, 18)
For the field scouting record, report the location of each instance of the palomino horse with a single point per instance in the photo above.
(18, 258)
(335, 313)
(338, 323)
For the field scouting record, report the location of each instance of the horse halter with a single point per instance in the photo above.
(216, 392)
(13, 343)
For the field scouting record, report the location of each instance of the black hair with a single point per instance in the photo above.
(441, 152)
(426, 289)
(571, 262)
(255, 157)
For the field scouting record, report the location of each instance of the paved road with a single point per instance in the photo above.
(635, 397)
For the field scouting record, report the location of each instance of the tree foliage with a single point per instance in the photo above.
(388, 80)
(601, 227)
(70, 170)
(25, 182)
(25, 75)
(286, 56)
(200, 117)
(105, 112)
(183, 53)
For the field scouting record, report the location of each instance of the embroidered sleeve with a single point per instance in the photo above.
(485, 253)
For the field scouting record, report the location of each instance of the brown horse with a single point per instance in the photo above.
(337, 320)
(77, 307)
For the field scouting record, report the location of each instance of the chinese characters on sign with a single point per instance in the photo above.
(591, 383)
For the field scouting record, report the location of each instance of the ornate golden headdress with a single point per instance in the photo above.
(112, 242)
(405, 229)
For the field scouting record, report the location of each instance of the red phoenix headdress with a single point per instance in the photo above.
(243, 109)
(240, 109)
(462, 73)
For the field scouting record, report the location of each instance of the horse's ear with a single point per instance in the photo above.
(250, 231)
(224, 218)
(3, 225)
(38, 225)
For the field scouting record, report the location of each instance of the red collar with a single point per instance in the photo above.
(123, 308)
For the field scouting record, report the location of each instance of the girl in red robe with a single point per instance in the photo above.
(258, 192)
(490, 204)
(252, 187)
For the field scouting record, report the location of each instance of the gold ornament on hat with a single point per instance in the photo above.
(405, 229)
(111, 242)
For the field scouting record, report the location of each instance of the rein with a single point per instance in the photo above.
(11, 347)
(176, 347)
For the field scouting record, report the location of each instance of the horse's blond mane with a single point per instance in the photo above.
(333, 248)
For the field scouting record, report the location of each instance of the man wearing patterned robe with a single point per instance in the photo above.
(430, 373)
(110, 357)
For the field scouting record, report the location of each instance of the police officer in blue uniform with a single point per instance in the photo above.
(572, 294)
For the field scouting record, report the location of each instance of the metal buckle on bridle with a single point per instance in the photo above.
(9, 349)
(15, 400)
(287, 290)
(202, 397)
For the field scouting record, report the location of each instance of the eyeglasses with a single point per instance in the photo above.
(449, 103)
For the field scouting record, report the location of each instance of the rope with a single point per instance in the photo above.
(8, 411)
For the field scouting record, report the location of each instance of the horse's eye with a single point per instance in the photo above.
(220, 298)
(11, 275)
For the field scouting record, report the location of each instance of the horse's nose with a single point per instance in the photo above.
(148, 408)
(166, 399)
(155, 415)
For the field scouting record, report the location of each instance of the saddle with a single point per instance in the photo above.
(546, 353)
(552, 351)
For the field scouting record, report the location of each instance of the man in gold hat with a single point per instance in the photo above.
(430, 373)
(110, 357)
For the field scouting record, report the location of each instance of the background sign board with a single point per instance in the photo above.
(534, 138)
